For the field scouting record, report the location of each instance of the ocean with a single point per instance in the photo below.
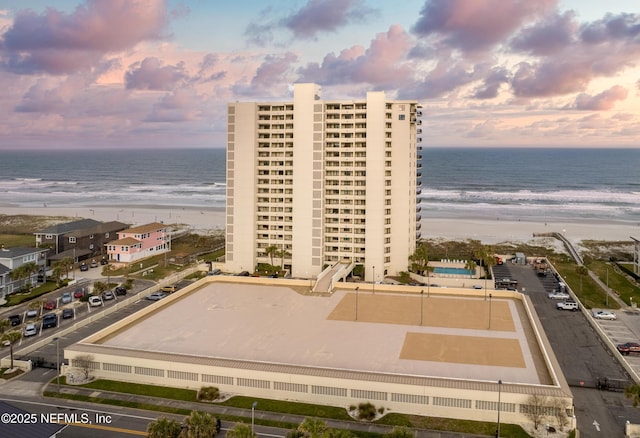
(486, 183)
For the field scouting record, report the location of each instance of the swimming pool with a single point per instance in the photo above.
(456, 271)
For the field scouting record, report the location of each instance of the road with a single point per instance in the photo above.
(583, 356)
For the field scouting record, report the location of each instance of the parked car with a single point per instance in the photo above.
(555, 295)
(50, 305)
(32, 313)
(67, 313)
(567, 305)
(94, 264)
(628, 347)
(95, 301)
(243, 274)
(79, 293)
(156, 296)
(15, 320)
(49, 320)
(215, 272)
(84, 267)
(120, 290)
(477, 286)
(108, 295)
(66, 298)
(169, 289)
(104, 261)
(30, 330)
(604, 314)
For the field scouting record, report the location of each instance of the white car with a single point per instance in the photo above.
(559, 295)
(30, 330)
(95, 301)
(604, 314)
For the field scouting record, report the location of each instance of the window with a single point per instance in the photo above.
(72, 240)
(401, 117)
(91, 246)
(48, 236)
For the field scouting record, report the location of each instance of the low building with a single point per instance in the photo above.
(137, 243)
(53, 237)
(11, 259)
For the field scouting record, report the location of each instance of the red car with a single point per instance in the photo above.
(79, 293)
(50, 305)
(629, 347)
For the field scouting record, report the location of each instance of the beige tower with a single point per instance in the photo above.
(324, 181)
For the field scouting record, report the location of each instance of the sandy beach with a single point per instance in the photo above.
(210, 220)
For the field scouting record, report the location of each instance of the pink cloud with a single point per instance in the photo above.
(325, 16)
(601, 102)
(60, 43)
(547, 36)
(477, 25)
(151, 74)
(269, 77)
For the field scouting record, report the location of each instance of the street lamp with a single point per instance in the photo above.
(499, 391)
(490, 311)
(57, 339)
(253, 408)
(373, 280)
(357, 288)
(421, 305)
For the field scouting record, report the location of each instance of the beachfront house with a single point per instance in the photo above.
(636, 255)
(12, 278)
(139, 242)
(79, 240)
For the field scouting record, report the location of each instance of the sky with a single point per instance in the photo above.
(112, 74)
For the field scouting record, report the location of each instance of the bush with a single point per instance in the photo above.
(366, 411)
(208, 393)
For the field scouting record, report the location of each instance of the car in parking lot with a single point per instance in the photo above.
(215, 272)
(108, 295)
(66, 298)
(30, 330)
(169, 289)
(555, 295)
(567, 305)
(156, 296)
(604, 314)
(78, 293)
(15, 320)
(94, 264)
(49, 320)
(95, 301)
(50, 305)
(32, 313)
(104, 261)
(628, 347)
(84, 267)
(67, 313)
(120, 290)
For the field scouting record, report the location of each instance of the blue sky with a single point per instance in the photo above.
(154, 73)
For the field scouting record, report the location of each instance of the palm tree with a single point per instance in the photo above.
(271, 251)
(4, 325)
(240, 430)
(12, 337)
(24, 271)
(163, 428)
(199, 425)
(581, 270)
(420, 260)
(283, 253)
(471, 266)
(313, 428)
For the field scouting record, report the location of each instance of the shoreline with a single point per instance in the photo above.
(488, 231)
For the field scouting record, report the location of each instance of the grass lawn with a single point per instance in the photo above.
(452, 425)
(15, 299)
(611, 275)
(140, 389)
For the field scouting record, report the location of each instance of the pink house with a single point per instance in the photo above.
(140, 242)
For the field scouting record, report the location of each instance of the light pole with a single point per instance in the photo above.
(421, 305)
(373, 280)
(499, 391)
(490, 311)
(357, 288)
(253, 409)
(57, 339)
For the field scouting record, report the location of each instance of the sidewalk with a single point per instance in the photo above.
(246, 413)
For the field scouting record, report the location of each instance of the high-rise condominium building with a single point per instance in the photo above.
(313, 182)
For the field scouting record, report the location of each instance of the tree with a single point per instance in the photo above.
(471, 266)
(581, 270)
(4, 325)
(271, 251)
(99, 287)
(283, 253)
(12, 337)
(85, 363)
(560, 412)
(633, 392)
(537, 409)
(419, 260)
(199, 425)
(24, 271)
(163, 428)
(240, 430)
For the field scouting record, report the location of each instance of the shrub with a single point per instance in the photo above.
(366, 411)
(208, 393)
